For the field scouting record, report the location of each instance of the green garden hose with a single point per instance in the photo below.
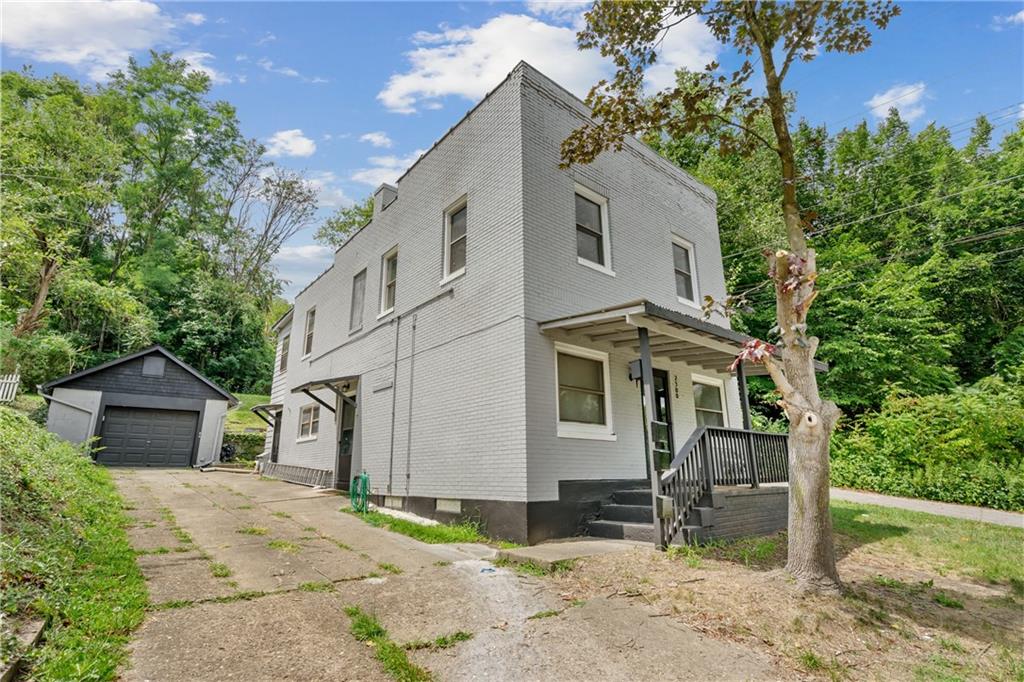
(358, 491)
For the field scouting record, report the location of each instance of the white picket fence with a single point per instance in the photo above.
(9, 387)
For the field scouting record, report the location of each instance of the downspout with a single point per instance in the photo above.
(394, 398)
(408, 429)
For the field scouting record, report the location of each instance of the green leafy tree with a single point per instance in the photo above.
(774, 37)
(336, 230)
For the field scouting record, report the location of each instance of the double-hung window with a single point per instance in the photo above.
(682, 262)
(307, 341)
(584, 401)
(309, 422)
(592, 245)
(355, 313)
(286, 343)
(709, 402)
(455, 241)
(388, 280)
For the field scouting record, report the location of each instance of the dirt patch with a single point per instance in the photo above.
(894, 621)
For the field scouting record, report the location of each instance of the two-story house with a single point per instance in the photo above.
(474, 347)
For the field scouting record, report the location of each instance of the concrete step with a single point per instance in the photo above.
(635, 513)
(636, 496)
(641, 532)
(701, 516)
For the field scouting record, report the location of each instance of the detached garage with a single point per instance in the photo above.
(148, 409)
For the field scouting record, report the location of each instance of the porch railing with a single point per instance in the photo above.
(718, 456)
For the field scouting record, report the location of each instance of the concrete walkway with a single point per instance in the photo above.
(956, 511)
(248, 580)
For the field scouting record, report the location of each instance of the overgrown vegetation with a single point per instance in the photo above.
(366, 628)
(65, 554)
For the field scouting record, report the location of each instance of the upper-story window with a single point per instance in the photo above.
(355, 312)
(455, 241)
(682, 262)
(286, 342)
(388, 280)
(307, 341)
(592, 245)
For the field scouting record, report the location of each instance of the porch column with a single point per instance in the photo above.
(741, 379)
(647, 380)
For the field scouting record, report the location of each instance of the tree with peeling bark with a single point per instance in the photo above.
(770, 37)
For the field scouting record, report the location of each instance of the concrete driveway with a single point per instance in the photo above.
(248, 579)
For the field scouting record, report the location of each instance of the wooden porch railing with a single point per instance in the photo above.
(717, 456)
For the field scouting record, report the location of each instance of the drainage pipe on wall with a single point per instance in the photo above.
(408, 427)
(394, 397)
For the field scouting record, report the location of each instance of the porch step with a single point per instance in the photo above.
(640, 496)
(641, 532)
(633, 513)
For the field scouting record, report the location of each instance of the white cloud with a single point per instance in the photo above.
(330, 195)
(194, 18)
(197, 61)
(290, 143)
(908, 99)
(566, 11)
(94, 37)
(469, 61)
(300, 264)
(1001, 22)
(288, 71)
(690, 46)
(268, 37)
(377, 138)
(386, 168)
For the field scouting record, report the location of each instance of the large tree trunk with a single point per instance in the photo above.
(32, 318)
(811, 556)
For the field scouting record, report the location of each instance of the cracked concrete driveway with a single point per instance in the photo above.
(248, 580)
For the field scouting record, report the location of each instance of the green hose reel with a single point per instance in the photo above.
(358, 492)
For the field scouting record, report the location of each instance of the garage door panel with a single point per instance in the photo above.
(147, 437)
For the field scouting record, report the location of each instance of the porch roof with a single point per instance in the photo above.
(325, 383)
(674, 335)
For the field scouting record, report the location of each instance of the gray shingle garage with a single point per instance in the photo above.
(147, 409)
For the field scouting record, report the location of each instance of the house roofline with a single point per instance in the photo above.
(53, 383)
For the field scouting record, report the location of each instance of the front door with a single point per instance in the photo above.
(346, 439)
(662, 431)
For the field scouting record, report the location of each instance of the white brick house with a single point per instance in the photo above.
(470, 347)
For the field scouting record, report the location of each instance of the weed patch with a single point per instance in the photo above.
(543, 614)
(434, 535)
(317, 587)
(219, 570)
(366, 628)
(284, 546)
(947, 601)
(390, 568)
(252, 530)
(442, 642)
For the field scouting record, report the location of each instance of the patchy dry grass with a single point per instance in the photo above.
(925, 598)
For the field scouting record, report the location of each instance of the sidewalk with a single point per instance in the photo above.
(957, 511)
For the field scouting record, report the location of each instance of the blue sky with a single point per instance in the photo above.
(350, 93)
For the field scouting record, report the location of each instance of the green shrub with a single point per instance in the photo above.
(65, 554)
(40, 357)
(250, 445)
(966, 447)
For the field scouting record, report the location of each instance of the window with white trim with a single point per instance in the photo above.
(355, 312)
(455, 241)
(309, 422)
(388, 280)
(584, 399)
(592, 245)
(683, 264)
(307, 340)
(709, 401)
(286, 343)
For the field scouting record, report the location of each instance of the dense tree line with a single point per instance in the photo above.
(136, 212)
(920, 251)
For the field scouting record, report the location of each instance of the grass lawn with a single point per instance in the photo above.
(434, 535)
(27, 403)
(65, 555)
(240, 418)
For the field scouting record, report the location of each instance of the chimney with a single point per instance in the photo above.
(384, 197)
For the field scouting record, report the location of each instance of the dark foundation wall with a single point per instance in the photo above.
(742, 512)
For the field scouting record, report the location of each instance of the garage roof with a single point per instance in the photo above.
(156, 348)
